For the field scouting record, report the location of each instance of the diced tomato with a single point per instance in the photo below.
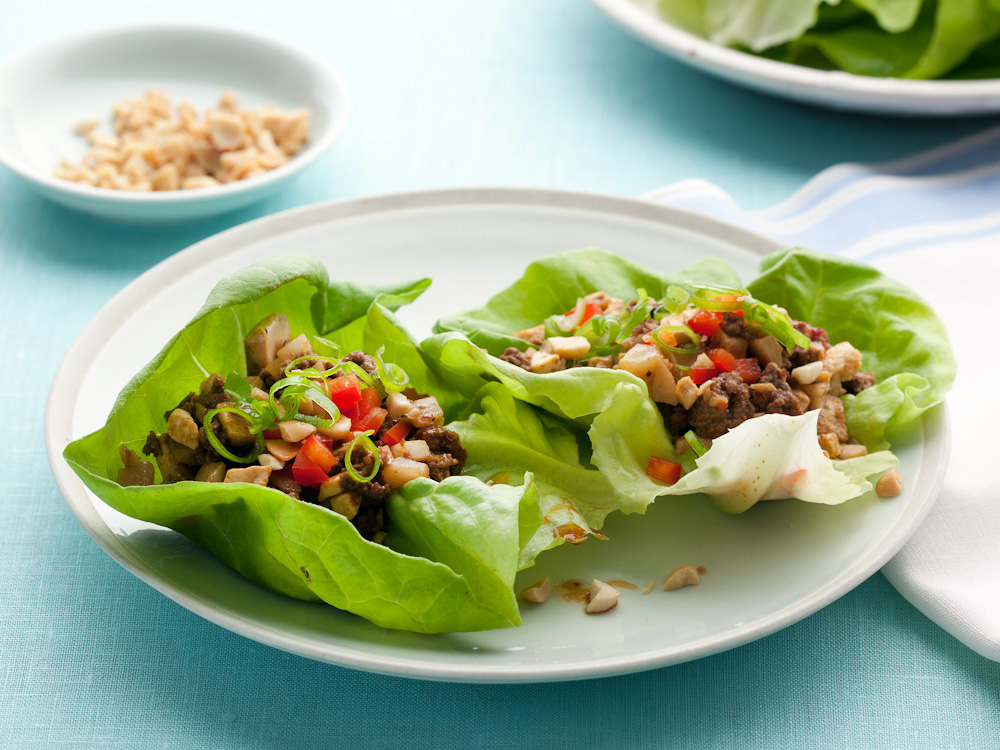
(318, 452)
(663, 470)
(370, 421)
(344, 391)
(748, 369)
(702, 374)
(722, 359)
(705, 322)
(306, 472)
(274, 434)
(397, 433)
(589, 311)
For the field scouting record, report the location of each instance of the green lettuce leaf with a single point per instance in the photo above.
(760, 24)
(554, 284)
(769, 457)
(892, 15)
(453, 548)
(903, 341)
(507, 440)
(894, 38)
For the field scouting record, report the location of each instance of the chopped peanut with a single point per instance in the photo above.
(681, 576)
(151, 149)
(889, 484)
(538, 592)
(603, 598)
(251, 474)
(293, 431)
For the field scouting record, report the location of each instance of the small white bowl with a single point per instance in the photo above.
(45, 91)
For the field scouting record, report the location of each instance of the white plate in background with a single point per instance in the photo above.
(45, 91)
(767, 568)
(826, 88)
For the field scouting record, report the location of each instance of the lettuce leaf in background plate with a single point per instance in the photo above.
(453, 548)
(918, 39)
(901, 338)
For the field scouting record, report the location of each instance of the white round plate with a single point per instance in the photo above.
(766, 568)
(47, 90)
(827, 88)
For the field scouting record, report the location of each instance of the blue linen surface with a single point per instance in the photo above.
(445, 93)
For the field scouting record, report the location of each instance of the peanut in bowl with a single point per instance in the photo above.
(53, 88)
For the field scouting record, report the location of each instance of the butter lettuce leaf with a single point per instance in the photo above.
(772, 456)
(917, 39)
(453, 548)
(509, 442)
(903, 341)
(900, 337)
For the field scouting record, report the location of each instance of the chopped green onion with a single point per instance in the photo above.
(217, 444)
(362, 375)
(695, 443)
(603, 351)
(393, 377)
(365, 441)
(311, 372)
(717, 305)
(693, 345)
(766, 318)
(688, 462)
(332, 348)
(294, 389)
(631, 319)
(700, 287)
(675, 299)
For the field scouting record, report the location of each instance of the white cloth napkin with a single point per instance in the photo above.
(933, 223)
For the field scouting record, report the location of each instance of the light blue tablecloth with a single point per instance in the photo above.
(515, 92)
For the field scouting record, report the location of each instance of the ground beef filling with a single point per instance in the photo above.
(772, 394)
(516, 357)
(726, 405)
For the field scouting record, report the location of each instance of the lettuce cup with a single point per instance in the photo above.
(791, 386)
(299, 433)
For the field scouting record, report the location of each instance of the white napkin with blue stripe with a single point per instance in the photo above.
(933, 223)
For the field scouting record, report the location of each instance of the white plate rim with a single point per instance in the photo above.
(908, 96)
(65, 387)
(338, 120)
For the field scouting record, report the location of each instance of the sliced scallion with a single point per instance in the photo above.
(364, 440)
(696, 445)
(393, 377)
(213, 439)
(693, 345)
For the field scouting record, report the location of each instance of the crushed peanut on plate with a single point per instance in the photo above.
(153, 149)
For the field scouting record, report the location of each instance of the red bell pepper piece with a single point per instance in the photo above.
(306, 472)
(748, 369)
(319, 452)
(344, 391)
(705, 322)
(702, 375)
(589, 311)
(370, 421)
(663, 470)
(397, 433)
(722, 359)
